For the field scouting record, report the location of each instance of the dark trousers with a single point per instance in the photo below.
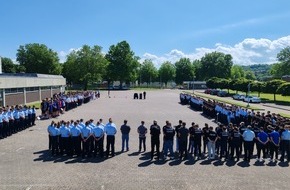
(76, 145)
(224, 149)
(99, 147)
(248, 146)
(87, 148)
(155, 143)
(11, 126)
(142, 140)
(1, 130)
(64, 145)
(286, 148)
(235, 146)
(273, 149)
(49, 142)
(54, 145)
(204, 145)
(33, 119)
(5, 129)
(110, 143)
(197, 148)
(183, 148)
(261, 147)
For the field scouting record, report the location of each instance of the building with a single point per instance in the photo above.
(194, 85)
(23, 88)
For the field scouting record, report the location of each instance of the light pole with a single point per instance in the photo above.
(193, 78)
(249, 90)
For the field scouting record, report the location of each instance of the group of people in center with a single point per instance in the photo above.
(228, 142)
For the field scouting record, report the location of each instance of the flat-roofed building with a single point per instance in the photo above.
(23, 88)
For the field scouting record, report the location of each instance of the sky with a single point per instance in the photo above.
(252, 31)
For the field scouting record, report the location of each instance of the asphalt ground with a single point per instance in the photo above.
(25, 162)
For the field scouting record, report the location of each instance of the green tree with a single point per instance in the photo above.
(216, 64)
(184, 70)
(272, 87)
(148, 72)
(284, 89)
(283, 67)
(38, 58)
(167, 72)
(237, 72)
(123, 65)
(257, 86)
(85, 66)
(7, 65)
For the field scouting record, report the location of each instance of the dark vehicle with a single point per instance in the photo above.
(222, 93)
(214, 92)
(208, 91)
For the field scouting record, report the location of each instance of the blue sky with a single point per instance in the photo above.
(253, 31)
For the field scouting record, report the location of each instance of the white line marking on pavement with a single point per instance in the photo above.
(19, 149)
(28, 188)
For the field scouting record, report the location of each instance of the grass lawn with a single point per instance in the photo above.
(36, 104)
(285, 115)
(283, 100)
(220, 99)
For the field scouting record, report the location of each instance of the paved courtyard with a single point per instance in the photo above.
(25, 162)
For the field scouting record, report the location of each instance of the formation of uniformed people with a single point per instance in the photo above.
(228, 142)
(16, 118)
(53, 107)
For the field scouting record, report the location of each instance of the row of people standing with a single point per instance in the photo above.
(84, 138)
(15, 119)
(53, 107)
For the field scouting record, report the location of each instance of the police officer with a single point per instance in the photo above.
(155, 139)
(212, 138)
(75, 139)
(177, 127)
(248, 137)
(64, 138)
(205, 132)
(98, 134)
(53, 133)
(183, 134)
(1, 125)
(286, 143)
(191, 137)
(111, 131)
(197, 135)
(235, 143)
(86, 133)
(224, 136)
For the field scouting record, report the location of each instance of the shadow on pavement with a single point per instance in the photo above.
(244, 164)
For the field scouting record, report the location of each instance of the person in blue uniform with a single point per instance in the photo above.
(262, 140)
(110, 130)
(183, 134)
(98, 134)
(75, 139)
(125, 130)
(86, 133)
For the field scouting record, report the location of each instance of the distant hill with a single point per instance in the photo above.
(261, 71)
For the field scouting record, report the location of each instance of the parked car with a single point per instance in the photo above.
(252, 99)
(214, 92)
(222, 93)
(238, 97)
(208, 91)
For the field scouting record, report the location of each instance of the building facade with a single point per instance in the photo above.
(23, 88)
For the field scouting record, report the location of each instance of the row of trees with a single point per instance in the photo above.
(88, 64)
(273, 87)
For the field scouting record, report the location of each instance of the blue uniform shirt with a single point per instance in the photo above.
(64, 131)
(98, 131)
(275, 136)
(286, 135)
(86, 131)
(75, 132)
(262, 136)
(110, 129)
(248, 135)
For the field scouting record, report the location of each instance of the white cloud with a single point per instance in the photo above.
(63, 54)
(249, 51)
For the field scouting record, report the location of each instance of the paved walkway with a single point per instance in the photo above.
(25, 162)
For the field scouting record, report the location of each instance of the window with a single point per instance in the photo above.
(14, 90)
